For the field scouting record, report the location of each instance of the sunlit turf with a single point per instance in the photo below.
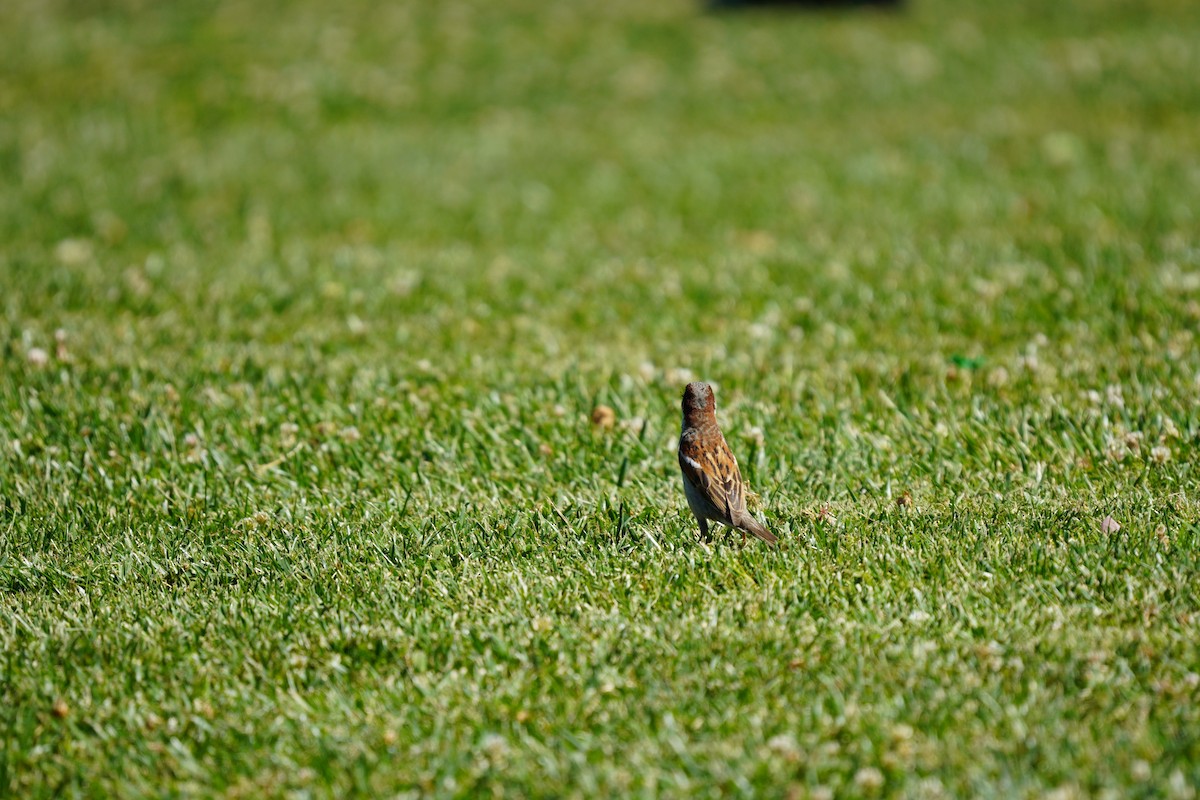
(306, 308)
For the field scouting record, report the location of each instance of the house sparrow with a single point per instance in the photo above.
(711, 478)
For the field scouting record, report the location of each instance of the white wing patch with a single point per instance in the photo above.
(694, 464)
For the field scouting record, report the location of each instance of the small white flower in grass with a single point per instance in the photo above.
(1110, 525)
(632, 425)
(73, 252)
(931, 788)
(404, 282)
(350, 434)
(1067, 791)
(1115, 395)
(287, 433)
(494, 747)
(195, 449)
(37, 357)
(647, 371)
(680, 375)
(1160, 454)
(60, 345)
(868, 780)
(1178, 787)
(785, 746)
(1116, 450)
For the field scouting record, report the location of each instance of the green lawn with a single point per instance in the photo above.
(305, 308)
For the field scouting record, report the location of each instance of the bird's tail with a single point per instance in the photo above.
(755, 528)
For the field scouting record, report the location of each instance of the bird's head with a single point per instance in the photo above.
(698, 399)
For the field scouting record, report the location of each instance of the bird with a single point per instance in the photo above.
(711, 478)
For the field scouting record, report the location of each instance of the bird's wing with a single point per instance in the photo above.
(714, 471)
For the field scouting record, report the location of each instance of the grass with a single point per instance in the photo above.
(305, 499)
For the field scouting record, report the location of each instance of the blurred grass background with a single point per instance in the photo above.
(305, 310)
